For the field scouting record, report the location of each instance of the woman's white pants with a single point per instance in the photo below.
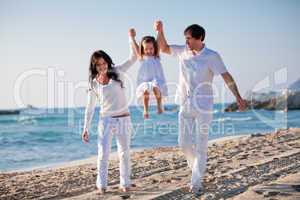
(193, 140)
(120, 127)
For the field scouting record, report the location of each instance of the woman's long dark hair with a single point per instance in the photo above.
(111, 71)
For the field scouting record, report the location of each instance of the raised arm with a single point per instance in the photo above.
(161, 40)
(136, 47)
(234, 89)
(133, 56)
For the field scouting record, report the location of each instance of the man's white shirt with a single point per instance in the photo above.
(196, 75)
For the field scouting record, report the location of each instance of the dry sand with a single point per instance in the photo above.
(261, 166)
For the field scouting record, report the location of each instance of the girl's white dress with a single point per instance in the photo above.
(150, 75)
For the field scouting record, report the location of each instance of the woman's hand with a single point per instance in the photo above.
(158, 26)
(85, 136)
(132, 33)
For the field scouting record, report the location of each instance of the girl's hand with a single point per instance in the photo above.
(132, 33)
(85, 136)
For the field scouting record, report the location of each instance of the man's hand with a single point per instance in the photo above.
(85, 136)
(161, 40)
(242, 104)
(158, 26)
(132, 33)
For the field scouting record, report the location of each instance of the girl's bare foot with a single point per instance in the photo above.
(101, 191)
(146, 115)
(158, 96)
(146, 104)
(159, 109)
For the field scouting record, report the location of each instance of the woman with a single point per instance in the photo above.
(106, 87)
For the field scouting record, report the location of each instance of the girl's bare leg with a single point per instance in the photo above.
(146, 105)
(157, 94)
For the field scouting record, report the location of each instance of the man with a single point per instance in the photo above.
(198, 66)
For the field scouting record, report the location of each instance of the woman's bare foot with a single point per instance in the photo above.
(124, 189)
(101, 191)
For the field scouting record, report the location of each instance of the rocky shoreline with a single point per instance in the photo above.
(284, 102)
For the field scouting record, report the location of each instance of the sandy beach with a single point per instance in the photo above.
(256, 166)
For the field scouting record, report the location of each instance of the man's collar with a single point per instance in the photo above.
(197, 53)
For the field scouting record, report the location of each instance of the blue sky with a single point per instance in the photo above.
(254, 38)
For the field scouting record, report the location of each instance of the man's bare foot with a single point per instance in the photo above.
(101, 191)
(159, 109)
(146, 115)
(197, 191)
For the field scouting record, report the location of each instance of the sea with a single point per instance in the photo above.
(39, 137)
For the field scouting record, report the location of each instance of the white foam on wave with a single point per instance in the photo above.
(27, 120)
(233, 119)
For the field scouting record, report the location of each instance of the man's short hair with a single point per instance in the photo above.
(196, 31)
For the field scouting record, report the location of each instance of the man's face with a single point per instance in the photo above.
(191, 42)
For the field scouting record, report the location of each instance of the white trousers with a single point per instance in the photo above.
(193, 140)
(120, 127)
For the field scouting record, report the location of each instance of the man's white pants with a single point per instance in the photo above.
(122, 128)
(193, 140)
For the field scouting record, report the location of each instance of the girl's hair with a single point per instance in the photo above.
(111, 71)
(149, 39)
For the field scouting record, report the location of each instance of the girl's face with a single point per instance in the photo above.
(101, 65)
(148, 48)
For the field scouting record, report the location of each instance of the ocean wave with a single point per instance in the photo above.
(27, 120)
(34, 119)
(224, 119)
(7, 121)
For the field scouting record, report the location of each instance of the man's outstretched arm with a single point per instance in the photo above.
(234, 89)
(161, 40)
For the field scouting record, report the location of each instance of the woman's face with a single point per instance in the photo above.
(148, 48)
(101, 65)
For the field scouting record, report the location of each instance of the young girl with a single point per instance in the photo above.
(150, 75)
(106, 87)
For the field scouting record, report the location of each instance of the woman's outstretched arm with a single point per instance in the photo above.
(90, 108)
(89, 112)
